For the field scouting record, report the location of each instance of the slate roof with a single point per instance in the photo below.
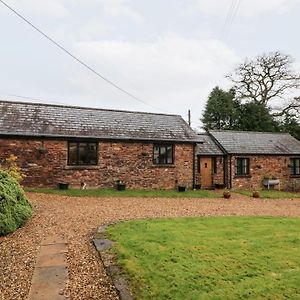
(208, 146)
(248, 142)
(34, 119)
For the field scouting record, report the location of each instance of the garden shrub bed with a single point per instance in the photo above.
(15, 209)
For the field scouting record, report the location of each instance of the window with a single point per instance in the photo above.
(295, 166)
(81, 153)
(163, 154)
(241, 166)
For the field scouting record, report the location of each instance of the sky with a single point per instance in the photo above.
(168, 53)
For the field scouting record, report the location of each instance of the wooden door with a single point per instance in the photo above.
(206, 172)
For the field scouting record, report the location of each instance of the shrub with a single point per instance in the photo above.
(11, 167)
(15, 209)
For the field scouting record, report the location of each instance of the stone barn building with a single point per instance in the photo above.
(99, 147)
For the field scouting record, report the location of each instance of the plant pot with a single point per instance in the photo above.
(121, 186)
(255, 194)
(197, 186)
(226, 194)
(181, 188)
(63, 186)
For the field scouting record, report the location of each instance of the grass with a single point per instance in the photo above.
(127, 193)
(211, 258)
(272, 194)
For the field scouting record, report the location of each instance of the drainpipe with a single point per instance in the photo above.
(224, 170)
(230, 172)
(194, 162)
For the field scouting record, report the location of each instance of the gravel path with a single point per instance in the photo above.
(76, 219)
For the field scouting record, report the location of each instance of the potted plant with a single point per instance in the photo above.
(120, 185)
(226, 194)
(181, 188)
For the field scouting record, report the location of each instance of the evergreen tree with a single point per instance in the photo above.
(255, 116)
(220, 110)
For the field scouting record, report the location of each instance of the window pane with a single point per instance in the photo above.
(92, 154)
(162, 155)
(169, 155)
(82, 155)
(72, 153)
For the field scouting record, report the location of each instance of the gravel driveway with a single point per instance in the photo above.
(76, 219)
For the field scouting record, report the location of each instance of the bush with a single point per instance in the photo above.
(15, 209)
(11, 167)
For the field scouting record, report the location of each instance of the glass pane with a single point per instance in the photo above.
(169, 154)
(92, 154)
(72, 154)
(83, 154)
(156, 154)
(162, 155)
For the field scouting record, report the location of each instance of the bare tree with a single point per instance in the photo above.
(267, 77)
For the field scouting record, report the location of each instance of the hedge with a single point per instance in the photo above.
(15, 209)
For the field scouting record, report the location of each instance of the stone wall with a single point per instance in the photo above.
(262, 166)
(131, 162)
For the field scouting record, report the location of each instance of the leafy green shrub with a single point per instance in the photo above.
(15, 209)
(11, 167)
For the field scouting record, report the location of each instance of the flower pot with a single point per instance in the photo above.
(181, 188)
(63, 186)
(226, 194)
(197, 186)
(121, 186)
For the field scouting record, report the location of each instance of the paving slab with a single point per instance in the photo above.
(51, 273)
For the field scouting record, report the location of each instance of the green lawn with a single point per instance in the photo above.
(273, 194)
(127, 193)
(211, 258)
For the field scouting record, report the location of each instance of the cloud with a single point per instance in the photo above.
(172, 73)
(246, 8)
(116, 8)
(45, 8)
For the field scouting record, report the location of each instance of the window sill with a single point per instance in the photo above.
(163, 166)
(242, 176)
(82, 167)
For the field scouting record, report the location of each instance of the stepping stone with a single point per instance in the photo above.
(50, 274)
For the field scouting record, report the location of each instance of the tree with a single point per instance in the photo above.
(291, 124)
(265, 78)
(220, 110)
(254, 116)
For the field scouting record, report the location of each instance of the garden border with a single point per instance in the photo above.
(103, 246)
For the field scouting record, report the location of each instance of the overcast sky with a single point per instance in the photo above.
(169, 53)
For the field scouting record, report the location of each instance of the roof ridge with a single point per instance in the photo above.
(86, 108)
(248, 131)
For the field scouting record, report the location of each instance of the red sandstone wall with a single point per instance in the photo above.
(262, 166)
(129, 162)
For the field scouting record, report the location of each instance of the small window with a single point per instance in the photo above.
(81, 153)
(295, 166)
(242, 166)
(163, 154)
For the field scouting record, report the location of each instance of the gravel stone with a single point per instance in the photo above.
(77, 220)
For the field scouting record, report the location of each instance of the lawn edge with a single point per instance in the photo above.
(109, 260)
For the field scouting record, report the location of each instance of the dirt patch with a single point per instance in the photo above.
(77, 219)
